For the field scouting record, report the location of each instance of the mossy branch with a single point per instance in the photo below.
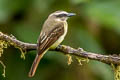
(80, 54)
(108, 59)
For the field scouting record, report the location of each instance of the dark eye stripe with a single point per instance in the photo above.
(61, 15)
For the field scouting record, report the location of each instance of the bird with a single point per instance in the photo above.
(52, 34)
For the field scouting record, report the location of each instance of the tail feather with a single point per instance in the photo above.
(35, 64)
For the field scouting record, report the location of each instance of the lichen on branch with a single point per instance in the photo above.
(6, 40)
(67, 50)
(3, 68)
(108, 59)
(116, 69)
(3, 44)
(69, 59)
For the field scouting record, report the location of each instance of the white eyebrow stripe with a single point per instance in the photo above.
(61, 13)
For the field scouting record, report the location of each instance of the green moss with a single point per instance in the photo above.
(21, 50)
(69, 59)
(116, 69)
(80, 60)
(22, 53)
(3, 45)
(3, 68)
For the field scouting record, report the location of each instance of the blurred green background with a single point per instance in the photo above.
(95, 28)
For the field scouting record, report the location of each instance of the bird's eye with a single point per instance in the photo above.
(62, 15)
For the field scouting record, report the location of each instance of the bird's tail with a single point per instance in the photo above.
(35, 64)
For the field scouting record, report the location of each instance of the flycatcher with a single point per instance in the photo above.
(52, 34)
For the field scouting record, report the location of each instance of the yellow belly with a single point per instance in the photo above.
(57, 42)
(61, 38)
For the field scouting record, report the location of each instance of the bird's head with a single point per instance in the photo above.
(61, 15)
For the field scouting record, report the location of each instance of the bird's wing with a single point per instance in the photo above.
(46, 40)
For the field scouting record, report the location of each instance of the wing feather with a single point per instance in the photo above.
(46, 41)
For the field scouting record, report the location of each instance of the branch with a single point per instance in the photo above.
(108, 59)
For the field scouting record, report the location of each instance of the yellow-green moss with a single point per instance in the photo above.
(80, 60)
(3, 45)
(21, 50)
(116, 69)
(22, 53)
(3, 68)
(69, 59)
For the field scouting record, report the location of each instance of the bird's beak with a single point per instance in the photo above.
(71, 14)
